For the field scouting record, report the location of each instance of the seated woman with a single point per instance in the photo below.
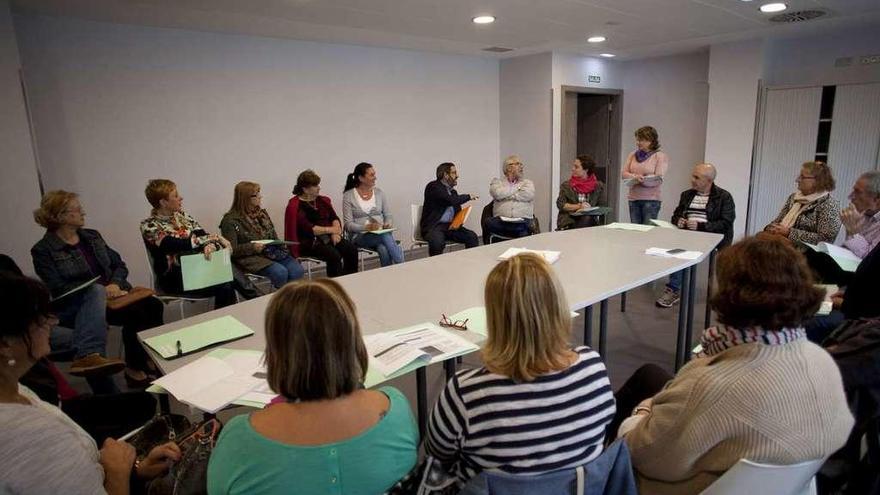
(246, 222)
(69, 255)
(582, 190)
(330, 435)
(758, 391)
(365, 209)
(311, 221)
(170, 233)
(513, 196)
(810, 214)
(44, 451)
(510, 415)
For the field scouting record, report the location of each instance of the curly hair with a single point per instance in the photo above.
(822, 172)
(766, 283)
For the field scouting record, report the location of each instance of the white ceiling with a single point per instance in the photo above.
(634, 28)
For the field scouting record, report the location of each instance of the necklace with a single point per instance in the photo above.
(364, 196)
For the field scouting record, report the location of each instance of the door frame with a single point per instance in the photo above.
(612, 188)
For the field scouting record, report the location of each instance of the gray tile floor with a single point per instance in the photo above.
(643, 334)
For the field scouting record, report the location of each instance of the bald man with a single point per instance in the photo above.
(704, 207)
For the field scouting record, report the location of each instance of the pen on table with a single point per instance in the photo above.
(179, 349)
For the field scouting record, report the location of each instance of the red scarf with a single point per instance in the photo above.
(584, 185)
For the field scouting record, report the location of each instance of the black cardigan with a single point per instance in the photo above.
(720, 212)
(437, 199)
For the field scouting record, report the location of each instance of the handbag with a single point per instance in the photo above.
(276, 252)
(134, 295)
(189, 476)
(163, 428)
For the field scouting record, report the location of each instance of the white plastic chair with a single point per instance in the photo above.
(416, 239)
(754, 478)
(169, 299)
(311, 264)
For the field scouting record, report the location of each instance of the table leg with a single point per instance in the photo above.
(680, 345)
(623, 303)
(708, 321)
(449, 366)
(588, 326)
(603, 327)
(689, 328)
(421, 399)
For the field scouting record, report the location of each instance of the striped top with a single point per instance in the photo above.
(697, 209)
(486, 421)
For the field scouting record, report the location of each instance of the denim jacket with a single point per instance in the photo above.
(62, 266)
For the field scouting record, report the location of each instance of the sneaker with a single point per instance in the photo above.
(668, 298)
(95, 364)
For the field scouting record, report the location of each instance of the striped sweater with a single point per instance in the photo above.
(486, 421)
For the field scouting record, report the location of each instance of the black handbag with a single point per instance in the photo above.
(189, 476)
(163, 428)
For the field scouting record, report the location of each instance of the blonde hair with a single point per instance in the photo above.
(157, 190)
(241, 200)
(510, 161)
(528, 319)
(52, 206)
(314, 348)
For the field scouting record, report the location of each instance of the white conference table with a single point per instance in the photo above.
(596, 264)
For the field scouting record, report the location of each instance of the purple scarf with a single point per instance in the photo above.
(643, 155)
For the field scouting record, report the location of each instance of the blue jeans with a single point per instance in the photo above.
(643, 210)
(507, 229)
(675, 281)
(385, 246)
(86, 313)
(281, 272)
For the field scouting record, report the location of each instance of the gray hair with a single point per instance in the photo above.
(872, 180)
(509, 162)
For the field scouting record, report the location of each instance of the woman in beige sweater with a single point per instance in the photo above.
(758, 390)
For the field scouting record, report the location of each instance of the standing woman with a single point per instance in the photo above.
(311, 220)
(582, 190)
(69, 255)
(646, 167)
(365, 209)
(247, 221)
(810, 214)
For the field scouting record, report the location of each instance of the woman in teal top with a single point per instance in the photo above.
(331, 436)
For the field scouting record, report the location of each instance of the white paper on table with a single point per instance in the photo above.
(549, 256)
(663, 224)
(258, 397)
(629, 226)
(438, 343)
(390, 353)
(210, 383)
(218, 395)
(664, 253)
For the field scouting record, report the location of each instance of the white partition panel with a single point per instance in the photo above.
(788, 138)
(855, 135)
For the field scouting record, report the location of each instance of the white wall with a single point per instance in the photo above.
(809, 61)
(117, 105)
(19, 186)
(734, 73)
(525, 125)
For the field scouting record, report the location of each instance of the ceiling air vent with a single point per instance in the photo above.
(497, 49)
(799, 16)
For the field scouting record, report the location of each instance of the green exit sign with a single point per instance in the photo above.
(594, 79)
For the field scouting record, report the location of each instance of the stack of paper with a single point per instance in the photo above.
(663, 224)
(217, 379)
(845, 259)
(195, 337)
(647, 180)
(398, 352)
(380, 231)
(673, 253)
(629, 226)
(550, 256)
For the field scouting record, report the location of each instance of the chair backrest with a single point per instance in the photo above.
(152, 269)
(416, 218)
(755, 478)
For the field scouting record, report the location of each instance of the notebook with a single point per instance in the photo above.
(199, 336)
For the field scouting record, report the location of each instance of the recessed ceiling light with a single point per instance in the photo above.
(596, 39)
(773, 7)
(607, 55)
(484, 19)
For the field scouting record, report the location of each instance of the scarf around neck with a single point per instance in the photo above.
(718, 339)
(798, 203)
(583, 185)
(643, 155)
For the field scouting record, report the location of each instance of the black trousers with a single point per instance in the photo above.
(440, 233)
(142, 315)
(341, 258)
(646, 382)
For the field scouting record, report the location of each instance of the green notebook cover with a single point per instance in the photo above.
(199, 336)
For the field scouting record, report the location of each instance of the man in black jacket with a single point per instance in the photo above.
(704, 207)
(441, 204)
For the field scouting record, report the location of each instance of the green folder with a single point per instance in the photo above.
(476, 319)
(196, 337)
(199, 272)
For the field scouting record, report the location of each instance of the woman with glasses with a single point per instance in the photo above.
(810, 214)
(247, 222)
